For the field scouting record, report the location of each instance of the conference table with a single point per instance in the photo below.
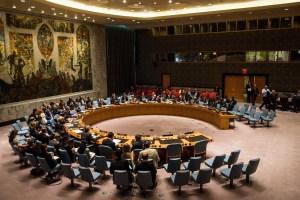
(188, 139)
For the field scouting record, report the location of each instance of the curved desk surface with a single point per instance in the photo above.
(187, 139)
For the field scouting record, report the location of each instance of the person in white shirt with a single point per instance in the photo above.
(265, 95)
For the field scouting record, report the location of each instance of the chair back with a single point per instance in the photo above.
(82, 108)
(51, 149)
(64, 156)
(200, 147)
(218, 106)
(204, 176)
(95, 103)
(121, 177)
(86, 174)
(174, 165)
(16, 127)
(194, 164)
(20, 154)
(234, 157)
(236, 170)
(77, 143)
(174, 150)
(26, 119)
(252, 166)
(265, 113)
(182, 177)
(19, 123)
(44, 165)
(73, 112)
(32, 160)
(246, 106)
(218, 161)
(271, 115)
(144, 178)
(106, 151)
(235, 108)
(136, 153)
(100, 163)
(56, 117)
(83, 160)
(53, 123)
(242, 111)
(253, 107)
(252, 111)
(258, 116)
(67, 170)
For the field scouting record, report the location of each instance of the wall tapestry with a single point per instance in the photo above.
(21, 21)
(83, 52)
(45, 41)
(2, 43)
(60, 26)
(66, 54)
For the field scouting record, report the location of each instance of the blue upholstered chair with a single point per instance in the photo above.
(23, 159)
(22, 128)
(269, 118)
(84, 161)
(173, 165)
(232, 158)
(255, 119)
(173, 151)
(241, 113)
(180, 178)
(200, 148)
(250, 168)
(193, 164)
(215, 162)
(44, 165)
(249, 115)
(101, 164)
(33, 162)
(232, 173)
(64, 156)
(120, 178)
(264, 114)
(17, 128)
(88, 176)
(234, 110)
(202, 176)
(144, 179)
(106, 151)
(69, 172)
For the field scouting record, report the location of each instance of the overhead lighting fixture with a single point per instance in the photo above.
(32, 6)
(191, 18)
(158, 10)
(83, 15)
(93, 20)
(61, 13)
(23, 1)
(170, 1)
(66, 15)
(75, 17)
(250, 13)
(137, 22)
(286, 9)
(14, 6)
(133, 20)
(42, 11)
(29, 9)
(54, 13)
(140, 2)
(108, 18)
(84, 19)
(112, 20)
(154, 2)
(52, 8)
(210, 4)
(124, 1)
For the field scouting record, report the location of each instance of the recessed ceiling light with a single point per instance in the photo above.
(88, 17)
(170, 1)
(137, 22)
(83, 15)
(93, 20)
(84, 19)
(29, 9)
(23, 1)
(140, 2)
(54, 13)
(108, 18)
(286, 9)
(133, 20)
(177, 3)
(158, 10)
(124, 1)
(171, 9)
(154, 2)
(112, 20)
(61, 13)
(145, 10)
(75, 17)
(132, 10)
(14, 6)
(32, 6)
(210, 4)
(66, 15)
(162, 20)
(42, 11)
(191, 18)
(52, 8)
(218, 15)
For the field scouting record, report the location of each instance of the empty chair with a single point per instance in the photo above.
(69, 172)
(44, 165)
(95, 103)
(232, 158)
(202, 176)
(234, 110)
(144, 179)
(64, 156)
(120, 178)
(173, 165)
(193, 164)
(106, 151)
(215, 162)
(51, 149)
(218, 106)
(88, 176)
(253, 107)
(173, 151)
(269, 118)
(56, 117)
(200, 148)
(180, 178)
(246, 107)
(264, 114)
(250, 115)
(250, 168)
(33, 162)
(84, 161)
(255, 119)
(101, 164)
(241, 113)
(19, 123)
(20, 132)
(232, 173)
(26, 119)
(136, 153)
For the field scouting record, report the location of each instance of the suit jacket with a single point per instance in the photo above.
(120, 164)
(110, 143)
(137, 145)
(152, 155)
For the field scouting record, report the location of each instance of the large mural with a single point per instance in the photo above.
(41, 57)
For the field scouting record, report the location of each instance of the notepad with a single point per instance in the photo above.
(77, 131)
(116, 141)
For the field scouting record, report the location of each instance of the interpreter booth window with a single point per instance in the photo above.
(296, 22)
(179, 57)
(171, 57)
(250, 56)
(241, 25)
(262, 23)
(282, 56)
(295, 55)
(203, 28)
(271, 56)
(221, 57)
(231, 26)
(163, 57)
(195, 28)
(178, 29)
(274, 22)
(171, 30)
(195, 57)
(261, 56)
(240, 56)
(213, 27)
(286, 22)
(252, 24)
(221, 26)
(155, 31)
(187, 29)
(163, 30)
(230, 57)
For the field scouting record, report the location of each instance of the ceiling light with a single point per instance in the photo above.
(54, 13)
(84, 19)
(171, 9)
(32, 6)
(132, 10)
(249, 13)
(158, 10)
(66, 15)
(191, 18)
(154, 2)
(286, 9)
(52, 8)
(133, 20)
(210, 4)
(23, 1)
(124, 1)
(83, 15)
(140, 2)
(162, 20)
(75, 17)
(137, 22)
(218, 15)
(14, 6)
(108, 18)
(170, 1)
(42, 11)
(112, 20)
(29, 9)
(61, 13)
(145, 10)
(93, 20)
(177, 3)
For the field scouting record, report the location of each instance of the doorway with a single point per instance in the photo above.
(234, 85)
(166, 81)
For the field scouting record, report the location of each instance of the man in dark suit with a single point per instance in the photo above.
(138, 143)
(109, 141)
(120, 164)
(147, 165)
(249, 91)
(87, 136)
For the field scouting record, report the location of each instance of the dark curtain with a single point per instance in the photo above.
(120, 59)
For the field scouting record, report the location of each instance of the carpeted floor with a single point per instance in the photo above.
(276, 178)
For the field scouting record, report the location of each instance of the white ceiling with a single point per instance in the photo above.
(149, 13)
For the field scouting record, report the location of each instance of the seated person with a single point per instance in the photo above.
(145, 165)
(114, 99)
(121, 164)
(48, 157)
(82, 149)
(109, 141)
(87, 136)
(124, 98)
(101, 102)
(138, 143)
(13, 140)
(126, 151)
(71, 150)
(152, 153)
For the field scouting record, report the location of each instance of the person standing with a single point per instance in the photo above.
(273, 99)
(249, 91)
(265, 95)
(255, 93)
